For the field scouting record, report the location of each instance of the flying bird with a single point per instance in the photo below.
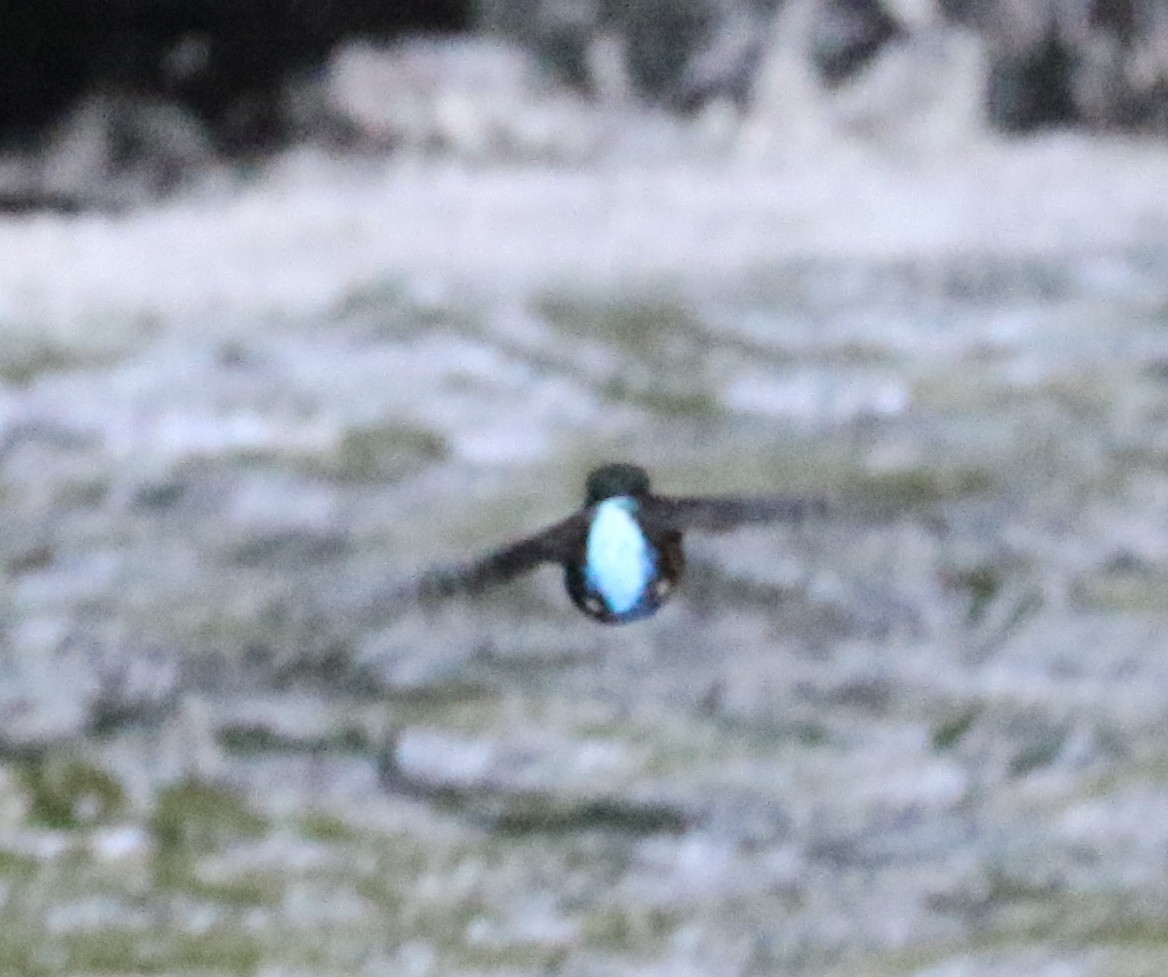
(622, 551)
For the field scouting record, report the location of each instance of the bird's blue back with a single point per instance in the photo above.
(620, 564)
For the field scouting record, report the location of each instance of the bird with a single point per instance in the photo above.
(621, 552)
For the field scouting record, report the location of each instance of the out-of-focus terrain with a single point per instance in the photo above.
(924, 735)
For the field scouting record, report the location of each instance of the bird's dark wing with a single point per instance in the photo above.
(722, 514)
(554, 545)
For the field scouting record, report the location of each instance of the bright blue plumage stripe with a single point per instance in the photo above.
(619, 562)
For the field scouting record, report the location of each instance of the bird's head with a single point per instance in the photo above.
(617, 479)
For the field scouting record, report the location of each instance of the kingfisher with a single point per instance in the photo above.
(622, 551)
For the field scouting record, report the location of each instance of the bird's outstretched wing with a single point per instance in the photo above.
(552, 545)
(722, 514)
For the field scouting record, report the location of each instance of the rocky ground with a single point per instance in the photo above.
(921, 736)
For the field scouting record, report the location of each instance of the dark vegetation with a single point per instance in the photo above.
(228, 64)
(225, 60)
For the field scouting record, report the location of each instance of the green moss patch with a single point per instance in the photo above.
(387, 452)
(67, 792)
(192, 816)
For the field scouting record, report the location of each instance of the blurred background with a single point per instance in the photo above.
(298, 299)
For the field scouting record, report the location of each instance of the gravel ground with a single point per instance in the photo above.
(921, 736)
